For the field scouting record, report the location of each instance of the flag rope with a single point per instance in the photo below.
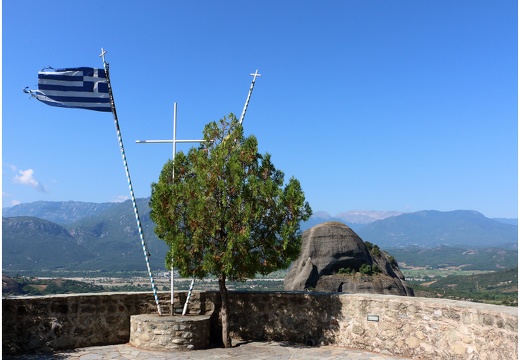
(134, 203)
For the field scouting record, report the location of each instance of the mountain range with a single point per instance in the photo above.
(355, 219)
(430, 228)
(81, 236)
(106, 234)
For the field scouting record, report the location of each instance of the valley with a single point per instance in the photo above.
(46, 250)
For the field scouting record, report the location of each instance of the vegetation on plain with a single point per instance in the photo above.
(500, 287)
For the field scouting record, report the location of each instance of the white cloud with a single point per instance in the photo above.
(120, 198)
(25, 177)
(12, 202)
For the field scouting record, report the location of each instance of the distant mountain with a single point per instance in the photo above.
(507, 221)
(59, 212)
(104, 236)
(114, 237)
(31, 243)
(107, 240)
(355, 219)
(364, 217)
(431, 228)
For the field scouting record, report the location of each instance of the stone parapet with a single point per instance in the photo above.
(45, 323)
(428, 328)
(394, 325)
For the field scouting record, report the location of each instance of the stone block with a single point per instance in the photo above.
(458, 349)
(412, 342)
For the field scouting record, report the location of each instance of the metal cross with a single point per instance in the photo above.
(255, 75)
(174, 141)
(102, 55)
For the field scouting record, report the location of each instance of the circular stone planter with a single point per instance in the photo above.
(154, 332)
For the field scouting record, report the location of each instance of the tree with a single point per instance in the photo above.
(226, 212)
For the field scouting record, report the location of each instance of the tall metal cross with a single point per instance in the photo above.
(173, 141)
(249, 95)
(102, 55)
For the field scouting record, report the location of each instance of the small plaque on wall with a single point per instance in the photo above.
(373, 318)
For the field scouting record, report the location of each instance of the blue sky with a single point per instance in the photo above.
(375, 105)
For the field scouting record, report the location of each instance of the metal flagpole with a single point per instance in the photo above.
(249, 95)
(174, 141)
(125, 163)
(241, 120)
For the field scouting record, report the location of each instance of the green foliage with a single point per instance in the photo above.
(347, 271)
(498, 287)
(369, 245)
(30, 286)
(373, 249)
(445, 256)
(369, 270)
(31, 290)
(393, 261)
(365, 269)
(227, 213)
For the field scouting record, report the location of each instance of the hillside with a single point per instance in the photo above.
(31, 243)
(114, 237)
(444, 257)
(108, 240)
(499, 287)
(431, 228)
(26, 286)
(104, 236)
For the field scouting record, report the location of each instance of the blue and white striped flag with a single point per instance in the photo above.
(83, 88)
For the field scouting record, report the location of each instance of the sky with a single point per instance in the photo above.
(373, 105)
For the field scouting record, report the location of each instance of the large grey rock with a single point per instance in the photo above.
(330, 247)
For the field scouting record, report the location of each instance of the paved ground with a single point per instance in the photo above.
(243, 351)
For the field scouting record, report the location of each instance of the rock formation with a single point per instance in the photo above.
(334, 258)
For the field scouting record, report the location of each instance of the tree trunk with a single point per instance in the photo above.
(224, 311)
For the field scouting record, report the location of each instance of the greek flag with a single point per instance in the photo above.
(83, 88)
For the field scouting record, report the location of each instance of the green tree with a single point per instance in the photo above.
(226, 212)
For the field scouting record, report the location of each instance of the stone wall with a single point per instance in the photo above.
(407, 326)
(45, 323)
(393, 325)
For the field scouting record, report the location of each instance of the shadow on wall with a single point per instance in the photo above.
(300, 317)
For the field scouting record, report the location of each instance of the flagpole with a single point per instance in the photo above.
(125, 163)
(172, 309)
